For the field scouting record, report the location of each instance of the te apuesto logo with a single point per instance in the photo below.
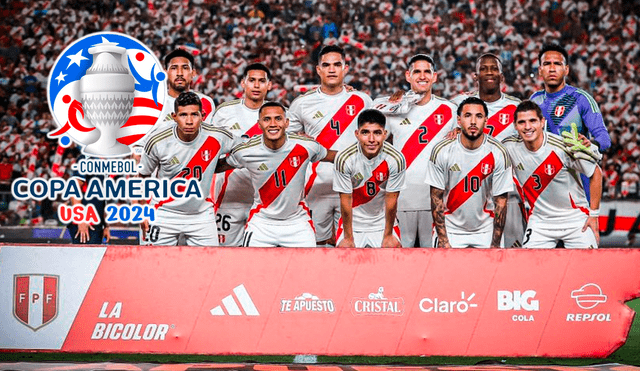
(105, 91)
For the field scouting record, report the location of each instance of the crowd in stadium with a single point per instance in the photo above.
(286, 35)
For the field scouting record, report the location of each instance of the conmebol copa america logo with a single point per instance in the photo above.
(106, 90)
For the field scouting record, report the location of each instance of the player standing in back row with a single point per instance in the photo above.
(464, 174)
(329, 115)
(414, 130)
(499, 125)
(233, 189)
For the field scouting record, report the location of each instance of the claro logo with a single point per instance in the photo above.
(437, 305)
(126, 331)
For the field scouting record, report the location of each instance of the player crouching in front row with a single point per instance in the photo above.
(548, 174)
(369, 176)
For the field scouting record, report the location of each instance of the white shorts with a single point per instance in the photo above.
(325, 213)
(416, 223)
(299, 233)
(515, 223)
(369, 238)
(540, 236)
(480, 240)
(165, 233)
(231, 221)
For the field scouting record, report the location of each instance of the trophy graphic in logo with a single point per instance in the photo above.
(105, 91)
(107, 97)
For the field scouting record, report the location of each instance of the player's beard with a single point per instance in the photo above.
(470, 137)
(178, 88)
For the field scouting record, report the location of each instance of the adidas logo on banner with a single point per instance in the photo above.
(174, 161)
(405, 122)
(318, 115)
(263, 167)
(231, 306)
(520, 167)
(235, 126)
(455, 167)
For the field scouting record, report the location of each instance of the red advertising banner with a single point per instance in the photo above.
(192, 300)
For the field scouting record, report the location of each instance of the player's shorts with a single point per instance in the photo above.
(368, 238)
(546, 236)
(416, 223)
(515, 223)
(231, 220)
(167, 232)
(296, 233)
(463, 239)
(325, 213)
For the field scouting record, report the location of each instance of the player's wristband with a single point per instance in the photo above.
(594, 212)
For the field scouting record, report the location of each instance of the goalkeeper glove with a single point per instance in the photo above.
(574, 145)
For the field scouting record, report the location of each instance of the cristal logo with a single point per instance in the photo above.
(589, 296)
(516, 300)
(377, 304)
(105, 91)
(437, 305)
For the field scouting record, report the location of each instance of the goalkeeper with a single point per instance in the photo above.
(558, 209)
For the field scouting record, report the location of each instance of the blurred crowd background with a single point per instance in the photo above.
(286, 35)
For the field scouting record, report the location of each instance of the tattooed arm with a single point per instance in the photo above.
(499, 218)
(437, 211)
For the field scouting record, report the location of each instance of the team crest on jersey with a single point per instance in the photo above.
(559, 111)
(206, 155)
(295, 161)
(35, 299)
(351, 109)
(380, 176)
(504, 119)
(439, 119)
(486, 169)
(549, 169)
(105, 91)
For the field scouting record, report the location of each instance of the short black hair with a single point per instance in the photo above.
(421, 57)
(187, 98)
(527, 105)
(256, 66)
(473, 100)
(271, 104)
(553, 48)
(178, 53)
(371, 116)
(331, 49)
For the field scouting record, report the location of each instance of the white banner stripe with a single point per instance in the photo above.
(245, 301)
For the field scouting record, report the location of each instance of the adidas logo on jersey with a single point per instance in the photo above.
(455, 167)
(231, 306)
(235, 126)
(174, 161)
(520, 167)
(318, 115)
(263, 167)
(405, 122)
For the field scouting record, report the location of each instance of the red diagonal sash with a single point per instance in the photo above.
(540, 179)
(254, 130)
(495, 125)
(281, 177)
(462, 191)
(365, 193)
(425, 133)
(201, 159)
(340, 121)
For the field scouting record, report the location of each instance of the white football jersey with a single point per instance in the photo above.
(173, 158)
(368, 180)
(549, 181)
(329, 119)
(414, 134)
(469, 178)
(277, 175)
(500, 120)
(234, 186)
